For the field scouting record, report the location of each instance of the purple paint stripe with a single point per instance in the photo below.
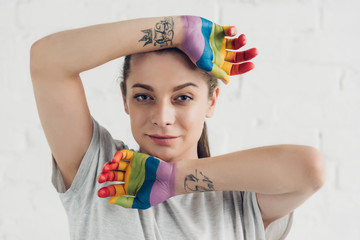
(164, 188)
(194, 42)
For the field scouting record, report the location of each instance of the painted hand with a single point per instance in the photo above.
(205, 43)
(147, 181)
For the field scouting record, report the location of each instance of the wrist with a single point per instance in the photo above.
(180, 24)
(180, 170)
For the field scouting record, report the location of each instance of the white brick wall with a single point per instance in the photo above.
(304, 90)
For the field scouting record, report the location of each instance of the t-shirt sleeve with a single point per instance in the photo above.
(101, 149)
(279, 228)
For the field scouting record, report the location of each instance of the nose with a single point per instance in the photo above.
(163, 114)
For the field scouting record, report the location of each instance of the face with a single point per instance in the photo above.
(167, 101)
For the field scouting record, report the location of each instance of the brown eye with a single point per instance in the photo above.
(184, 98)
(142, 98)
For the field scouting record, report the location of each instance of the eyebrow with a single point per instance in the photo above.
(177, 88)
(147, 87)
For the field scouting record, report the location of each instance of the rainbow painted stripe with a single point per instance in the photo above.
(142, 175)
(207, 48)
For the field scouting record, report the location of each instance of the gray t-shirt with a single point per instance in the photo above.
(209, 215)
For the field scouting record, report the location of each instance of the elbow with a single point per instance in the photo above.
(40, 57)
(35, 58)
(315, 169)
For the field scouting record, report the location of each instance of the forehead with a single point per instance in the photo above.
(162, 69)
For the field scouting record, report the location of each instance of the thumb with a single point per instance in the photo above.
(123, 201)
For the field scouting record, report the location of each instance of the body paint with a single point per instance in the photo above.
(204, 43)
(194, 42)
(148, 181)
(165, 171)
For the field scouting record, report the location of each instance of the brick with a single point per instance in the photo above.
(349, 84)
(13, 139)
(349, 177)
(341, 143)
(290, 94)
(7, 14)
(340, 16)
(238, 136)
(271, 17)
(204, 8)
(65, 14)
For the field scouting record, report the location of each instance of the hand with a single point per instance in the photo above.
(147, 180)
(205, 44)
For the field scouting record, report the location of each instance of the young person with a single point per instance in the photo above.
(172, 187)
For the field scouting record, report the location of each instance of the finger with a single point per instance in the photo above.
(243, 56)
(227, 66)
(122, 201)
(111, 166)
(236, 43)
(229, 31)
(237, 69)
(111, 176)
(112, 190)
(220, 73)
(123, 154)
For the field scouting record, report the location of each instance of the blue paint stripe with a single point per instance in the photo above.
(206, 29)
(151, 166)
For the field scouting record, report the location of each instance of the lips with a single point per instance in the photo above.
(164, 140)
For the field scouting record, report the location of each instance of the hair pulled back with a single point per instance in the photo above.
(203, 149)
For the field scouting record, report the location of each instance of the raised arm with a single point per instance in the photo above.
(58, 59)
(283, 176)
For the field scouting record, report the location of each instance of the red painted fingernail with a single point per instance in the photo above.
(102, 178)
(231, 31)
(106, 168)
(103, 192)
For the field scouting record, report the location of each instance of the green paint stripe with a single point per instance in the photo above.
(124, 201)
(216, 43)
(137, 174)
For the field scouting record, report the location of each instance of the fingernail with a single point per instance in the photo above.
(102, 178)
(231, 31)
(103, 193)
(106, 168)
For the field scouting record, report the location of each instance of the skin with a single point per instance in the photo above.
(164, 111)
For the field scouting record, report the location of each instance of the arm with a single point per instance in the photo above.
(55, 64)
(283, 176)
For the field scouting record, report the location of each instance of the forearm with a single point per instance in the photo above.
(78, 50)
(268, 170)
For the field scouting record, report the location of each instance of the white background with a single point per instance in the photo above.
(305, 89)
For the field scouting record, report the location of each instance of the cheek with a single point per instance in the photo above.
(137, 120)
(193, 120)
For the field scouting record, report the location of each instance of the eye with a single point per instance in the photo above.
(183, 99)
(142, 98)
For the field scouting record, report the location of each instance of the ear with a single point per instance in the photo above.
(213, 101)
(124, 99)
